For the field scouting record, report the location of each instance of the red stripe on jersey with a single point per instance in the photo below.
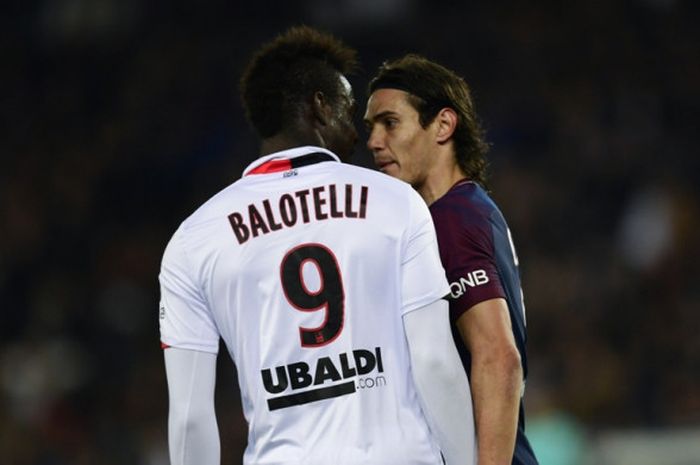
(272, 166)
(163, 345)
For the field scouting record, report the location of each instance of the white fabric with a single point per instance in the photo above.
(214, 284)
(193, 434)
(441, 381)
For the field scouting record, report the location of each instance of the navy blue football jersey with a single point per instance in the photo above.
(479, 258)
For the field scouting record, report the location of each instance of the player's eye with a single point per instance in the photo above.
(391, 123)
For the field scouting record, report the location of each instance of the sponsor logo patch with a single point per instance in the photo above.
(472, 279)
(328, 377)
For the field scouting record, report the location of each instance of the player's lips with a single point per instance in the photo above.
(383, 165)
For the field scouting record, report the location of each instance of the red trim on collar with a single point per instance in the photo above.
(272, 166)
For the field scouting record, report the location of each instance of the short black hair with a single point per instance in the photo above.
(432, 87)
(286, 71)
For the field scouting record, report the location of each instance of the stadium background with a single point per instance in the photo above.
(120, 116)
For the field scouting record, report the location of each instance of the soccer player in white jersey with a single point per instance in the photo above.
(324, 281)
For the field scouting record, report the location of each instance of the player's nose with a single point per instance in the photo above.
(375, 141)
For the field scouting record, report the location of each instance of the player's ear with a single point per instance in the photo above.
(446, 120)
(320, 108)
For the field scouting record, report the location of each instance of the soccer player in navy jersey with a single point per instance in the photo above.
(423, 130)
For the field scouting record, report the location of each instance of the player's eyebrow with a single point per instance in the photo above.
(378, 116)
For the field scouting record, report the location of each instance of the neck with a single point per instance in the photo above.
(290, 139)
(444, 174)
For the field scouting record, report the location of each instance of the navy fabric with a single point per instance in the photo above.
(481, 264)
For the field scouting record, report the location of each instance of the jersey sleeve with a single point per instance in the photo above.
(422, 275)
(467, 251)
(186, 321)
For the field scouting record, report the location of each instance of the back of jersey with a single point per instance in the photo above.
(305, 268)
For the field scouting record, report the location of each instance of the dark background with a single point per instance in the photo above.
(119, 117)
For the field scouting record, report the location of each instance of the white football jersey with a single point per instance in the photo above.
(305, 267)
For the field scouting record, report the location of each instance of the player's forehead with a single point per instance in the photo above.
(383, 101)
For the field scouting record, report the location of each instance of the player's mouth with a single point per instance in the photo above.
(385, 165)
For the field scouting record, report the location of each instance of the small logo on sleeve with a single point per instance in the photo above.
(472, 279)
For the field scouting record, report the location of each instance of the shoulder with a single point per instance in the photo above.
(377, 178)
(199, 224)
(397, 197)
(213, 207)
(467, 205)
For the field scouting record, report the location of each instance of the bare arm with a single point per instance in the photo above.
(441, 382)
(193, 434)
(496, 378)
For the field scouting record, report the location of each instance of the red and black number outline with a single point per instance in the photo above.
(330, 296)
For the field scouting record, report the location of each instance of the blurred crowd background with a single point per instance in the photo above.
(119, 117)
